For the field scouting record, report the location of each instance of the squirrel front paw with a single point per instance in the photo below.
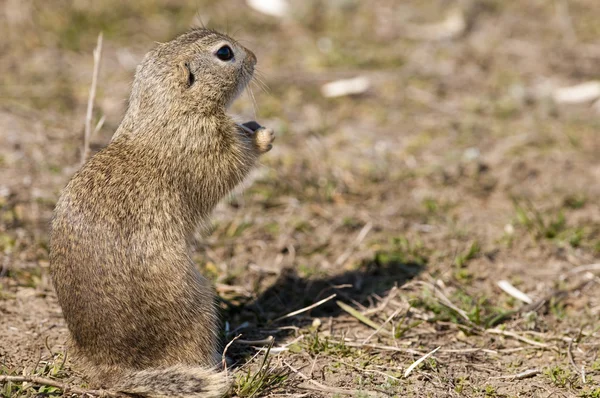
(263, 136)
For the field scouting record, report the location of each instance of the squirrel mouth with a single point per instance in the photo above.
(246, 76)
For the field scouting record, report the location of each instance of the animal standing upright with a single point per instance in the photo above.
(142, 319)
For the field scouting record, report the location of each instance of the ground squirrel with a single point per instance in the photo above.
(142, 319)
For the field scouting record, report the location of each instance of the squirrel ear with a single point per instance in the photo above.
(187, 77)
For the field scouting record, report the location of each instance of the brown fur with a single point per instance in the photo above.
(142, 319)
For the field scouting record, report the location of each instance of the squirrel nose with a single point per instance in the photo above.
(251, 57)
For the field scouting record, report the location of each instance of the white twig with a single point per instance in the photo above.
(283, 348)
(323, 388)
(454, 25)
(340, 88)
(99, 125)
(514, 292)
(410, 351)
(223, 357)
(365, 341)
(507, 333)
(446, 301)
(580, 93)
(585, 268)
(90, 105)
(418, 361)
(519, 376)
(310, 307)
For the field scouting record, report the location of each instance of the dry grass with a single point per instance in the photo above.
(379, 226)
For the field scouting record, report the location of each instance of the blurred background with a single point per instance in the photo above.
(447, 144)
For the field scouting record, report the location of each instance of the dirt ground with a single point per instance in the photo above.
(461, 166)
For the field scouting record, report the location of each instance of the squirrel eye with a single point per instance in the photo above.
(225, 53)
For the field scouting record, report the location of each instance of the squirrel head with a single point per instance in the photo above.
(200, 71)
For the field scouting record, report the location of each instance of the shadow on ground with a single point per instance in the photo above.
(290, 293)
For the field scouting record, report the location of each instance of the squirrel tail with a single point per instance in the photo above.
(178, 381)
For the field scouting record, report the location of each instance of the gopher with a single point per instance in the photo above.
(142, 319)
